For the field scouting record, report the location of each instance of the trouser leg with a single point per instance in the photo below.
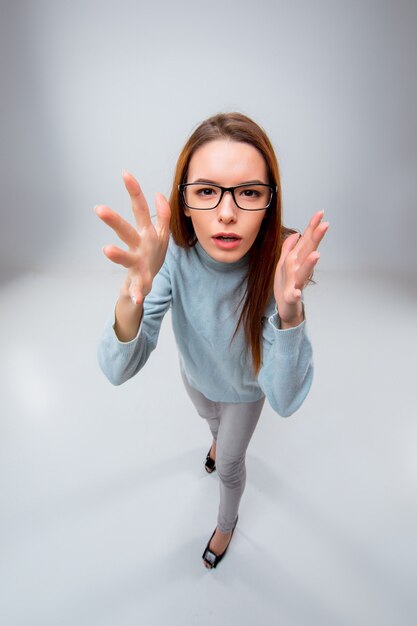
(232, 426)
(207, 409)
(237, 425)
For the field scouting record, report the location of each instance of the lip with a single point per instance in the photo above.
(227, 235)
(226, 244)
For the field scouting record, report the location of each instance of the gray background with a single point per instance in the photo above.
(105, 506)
(91, 88)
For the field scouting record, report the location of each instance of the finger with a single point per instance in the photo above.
(121, 257)
(139, 205)
(312, 225)
(314, 221)
(288, 245)
(319, 232)
(311, 239)
(163, 212)
(305, 271)
(121, 227)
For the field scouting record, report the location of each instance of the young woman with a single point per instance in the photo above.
(233, 276)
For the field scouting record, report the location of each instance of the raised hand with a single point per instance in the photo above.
(298, 258)
(147, 242)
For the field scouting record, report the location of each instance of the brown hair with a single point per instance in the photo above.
(266, 249)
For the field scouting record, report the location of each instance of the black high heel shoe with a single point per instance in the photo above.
(209, 464)
(211, 559)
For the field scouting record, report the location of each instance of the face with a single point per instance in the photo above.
(226, 233)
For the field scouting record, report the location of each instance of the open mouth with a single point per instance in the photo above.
(227, 237)
(227, 241)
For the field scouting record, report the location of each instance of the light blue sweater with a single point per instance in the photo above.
(205, 297)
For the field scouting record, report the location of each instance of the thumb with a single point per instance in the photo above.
(163, 213)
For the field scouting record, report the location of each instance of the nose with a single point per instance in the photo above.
(227, 209)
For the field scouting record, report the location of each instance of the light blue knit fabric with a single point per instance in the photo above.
(205, 297)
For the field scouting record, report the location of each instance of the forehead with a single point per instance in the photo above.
(227, 161)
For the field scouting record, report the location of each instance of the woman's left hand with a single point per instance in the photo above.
(297, 261)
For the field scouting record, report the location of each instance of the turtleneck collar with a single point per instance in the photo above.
(207, 260)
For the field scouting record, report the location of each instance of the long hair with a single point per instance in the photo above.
(266, 249)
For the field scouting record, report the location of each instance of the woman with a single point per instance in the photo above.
(233, 275)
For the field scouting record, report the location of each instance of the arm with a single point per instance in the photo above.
(123, 349)
(121, 360)
(287, 371)
(127, 314)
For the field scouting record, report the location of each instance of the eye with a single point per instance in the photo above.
(205, 192)
(250, 192)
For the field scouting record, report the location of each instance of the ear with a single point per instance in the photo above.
(187, 211)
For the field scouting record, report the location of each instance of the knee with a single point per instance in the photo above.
(231, 471)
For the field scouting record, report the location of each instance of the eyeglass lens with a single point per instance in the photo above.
(250, 197)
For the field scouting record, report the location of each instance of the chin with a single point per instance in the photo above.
(224, 256)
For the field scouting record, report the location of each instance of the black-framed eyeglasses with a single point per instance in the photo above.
(248, 197)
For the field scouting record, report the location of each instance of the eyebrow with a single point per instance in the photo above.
(246, 182)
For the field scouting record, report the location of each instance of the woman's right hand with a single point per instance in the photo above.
(147, 242)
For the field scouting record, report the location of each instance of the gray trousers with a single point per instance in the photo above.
(232, 426)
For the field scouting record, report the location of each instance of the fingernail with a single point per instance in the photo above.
(133, 300)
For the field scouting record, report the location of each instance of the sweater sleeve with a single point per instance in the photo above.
(287, 370)
(121, 360)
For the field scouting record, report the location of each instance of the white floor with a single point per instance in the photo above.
(106, 507)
